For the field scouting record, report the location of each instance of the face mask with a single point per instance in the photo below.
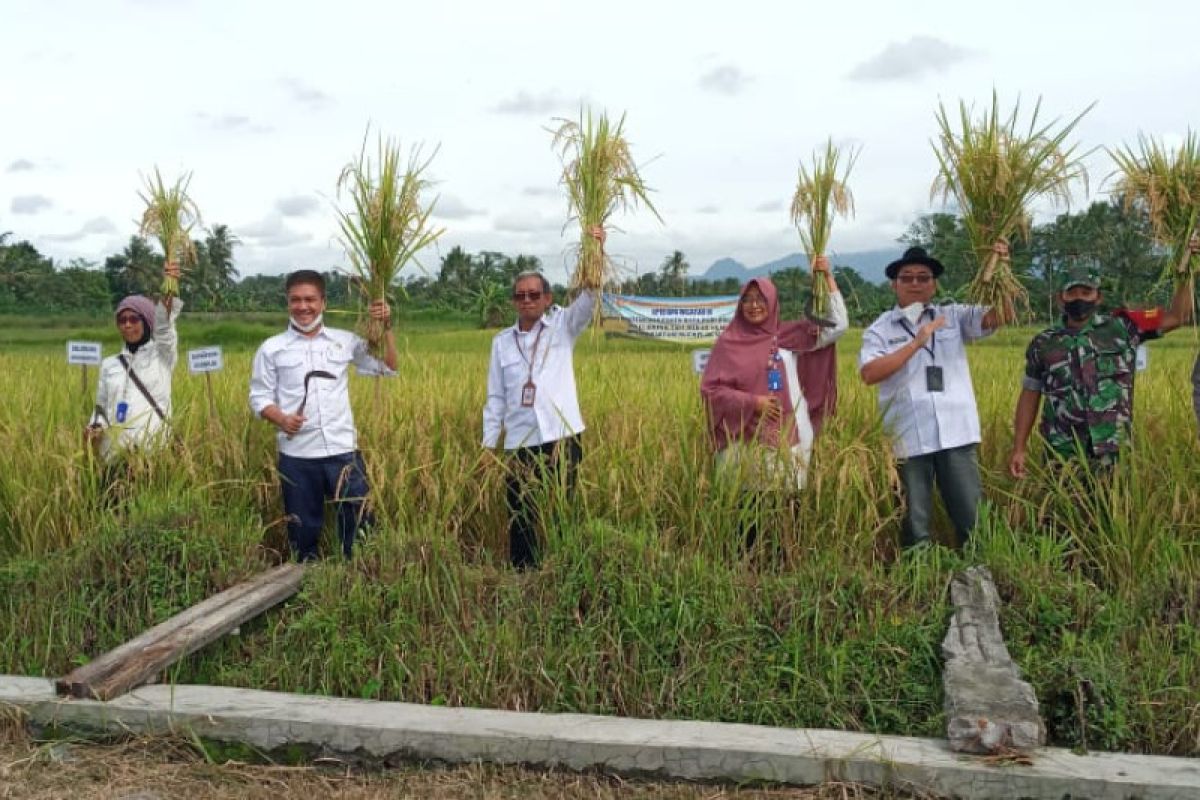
(312, 326)
(1079, 310)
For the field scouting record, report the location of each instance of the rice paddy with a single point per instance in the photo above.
(646, 604)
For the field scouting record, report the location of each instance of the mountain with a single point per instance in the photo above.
(868, 263)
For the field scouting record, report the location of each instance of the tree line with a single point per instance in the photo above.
(1105, 235)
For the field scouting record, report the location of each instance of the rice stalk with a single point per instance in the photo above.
(387, 223)
(601, 178)
(169, 217)
(822, 194)
(994, 170)
(1164, 184)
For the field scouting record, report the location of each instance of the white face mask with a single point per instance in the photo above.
(312, 326)
(912, 312)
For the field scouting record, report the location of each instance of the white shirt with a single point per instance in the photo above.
(277, 378)
(555, 412)
(920, 421)
(153, 363)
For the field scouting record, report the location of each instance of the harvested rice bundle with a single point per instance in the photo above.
(1165, 184)
(821, 195)
(387, 224)
(601, 178)
(994, 171)
(169, 217)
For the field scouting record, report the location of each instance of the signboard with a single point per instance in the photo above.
(1143, 357)
(206, 359)
(700, 360)
(683, 319)
(84, 353)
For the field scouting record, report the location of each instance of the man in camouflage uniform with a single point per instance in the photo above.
(1085, 369)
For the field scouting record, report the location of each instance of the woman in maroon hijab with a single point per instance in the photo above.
(769, 385)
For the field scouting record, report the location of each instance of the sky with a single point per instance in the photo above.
(264, 102)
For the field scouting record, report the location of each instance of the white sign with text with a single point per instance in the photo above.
(206, 359)
(84, 353)
(700, 360)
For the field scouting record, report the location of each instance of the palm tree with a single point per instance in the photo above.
(219, 272)
(674, 271)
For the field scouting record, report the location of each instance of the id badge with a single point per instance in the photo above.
(934, 382)
(122, 411)
(528, 392)
(774, 380)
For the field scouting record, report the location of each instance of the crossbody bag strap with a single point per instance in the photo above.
(133, 376)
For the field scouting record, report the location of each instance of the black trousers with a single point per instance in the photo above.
(534, 474)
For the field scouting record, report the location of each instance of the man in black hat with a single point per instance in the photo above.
(915, 353)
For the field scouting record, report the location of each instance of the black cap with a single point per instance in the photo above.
(914, 255)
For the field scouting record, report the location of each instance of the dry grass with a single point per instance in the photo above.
(994, 169)
(822, 194)
(170, 216)
(146, 768)
(601, 178)
(1165, 185)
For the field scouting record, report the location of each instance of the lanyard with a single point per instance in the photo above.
(931, 347)
(533, 355)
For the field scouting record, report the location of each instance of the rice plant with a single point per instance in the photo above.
(387, 224)
(601, 178)
(822, 194)
(169, 217)
(994, 169)
(1164, 184)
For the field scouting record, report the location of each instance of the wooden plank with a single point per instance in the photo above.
(136, 661)
(104, 664)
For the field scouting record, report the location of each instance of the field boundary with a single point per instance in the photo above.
(388, 732)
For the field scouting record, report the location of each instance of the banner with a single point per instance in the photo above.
(685, 319)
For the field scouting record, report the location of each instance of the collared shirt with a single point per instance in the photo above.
(277, 378)
(1086, 376)
(920, 421)
(153, 364)
(555, 411)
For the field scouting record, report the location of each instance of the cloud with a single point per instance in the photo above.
(305, 94)
(542, 191)
(909, 60)
(21, 165)
(299, 205)
(526, 221)
(450, 207)
(708, 209)
(271, 231)
(527, 103)
(96, 226)
(233, 123)
(30, 204)
(769, 207)
(725, 79)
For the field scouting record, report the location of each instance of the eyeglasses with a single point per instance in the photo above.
(531, 296)
(908, 280)
(750, 300)
(128, 319)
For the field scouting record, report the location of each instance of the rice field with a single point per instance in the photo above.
(646, 604)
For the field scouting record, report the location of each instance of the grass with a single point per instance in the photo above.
(646, 605)
(993, 169)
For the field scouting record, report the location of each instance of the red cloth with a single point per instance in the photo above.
(1147, 320)
(737, 373)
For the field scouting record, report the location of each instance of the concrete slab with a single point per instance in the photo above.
(677, 749)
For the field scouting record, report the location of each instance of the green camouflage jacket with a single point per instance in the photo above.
(1086, 376)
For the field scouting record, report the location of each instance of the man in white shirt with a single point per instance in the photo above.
(531, 397)
(916, 354)
(299, 383)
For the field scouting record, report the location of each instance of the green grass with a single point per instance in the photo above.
(646, 605)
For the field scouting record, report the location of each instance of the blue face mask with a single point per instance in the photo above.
(1079, 310)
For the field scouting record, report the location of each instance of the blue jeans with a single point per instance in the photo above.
(306, 483)
(956, 472)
